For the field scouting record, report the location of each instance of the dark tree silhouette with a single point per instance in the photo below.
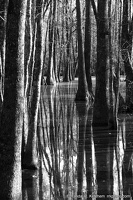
(82, 92)
(100, 111)
(13, 104)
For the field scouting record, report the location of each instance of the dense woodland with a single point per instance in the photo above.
(45, 42)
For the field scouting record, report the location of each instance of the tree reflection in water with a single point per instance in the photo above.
(78, 161)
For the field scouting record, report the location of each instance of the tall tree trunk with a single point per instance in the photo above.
(31, 158)
(3, 19)
(87, 45)
(50, 80)
(126, 42)
(82, 92)
(13, 105)
(28, 57)
(100, 110)
(66, 77)
(112, 100)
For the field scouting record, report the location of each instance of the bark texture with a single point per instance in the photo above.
(100, 111)
(82, 92)
(31, 158)
(12, 111)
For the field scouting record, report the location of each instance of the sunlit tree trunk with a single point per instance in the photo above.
(126, 46)
(2, 24)
(31, 157)
(28, 57)
(82, 92)
(3, 19)
(66, 77)
(112, 100)
(100, 110)
(50, 80)
(13, 104)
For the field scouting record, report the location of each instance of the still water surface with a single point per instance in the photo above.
(76, 160)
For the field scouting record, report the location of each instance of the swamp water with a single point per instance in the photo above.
(77, 161)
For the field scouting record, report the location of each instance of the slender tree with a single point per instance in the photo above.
(82, 92)
(50, 80)
(31, 157)
(87, 44)
(112, 100)
(29, 44)
(126, 46)
(3, 19)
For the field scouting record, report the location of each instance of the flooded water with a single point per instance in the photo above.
(76, 160)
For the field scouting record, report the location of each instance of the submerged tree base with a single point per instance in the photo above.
(100, 121)
(50, 81)
(28, 163)
(30, 166)
(82, 96)
(100, 124)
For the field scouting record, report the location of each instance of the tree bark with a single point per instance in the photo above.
(50, 80)
(100, 110)
(112, 78)
(82, 92)
(13, 105)
(87, 45)
(31, 158)
(126, 43)
(3, 19)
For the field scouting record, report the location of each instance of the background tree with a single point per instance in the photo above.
(87, 44)
(50, 80)
(82, 92)
(3, 16)
(30, 38)
(30, 157)
(126, 47)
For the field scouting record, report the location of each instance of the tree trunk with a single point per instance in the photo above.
(3, 19)
(66, 77)
(50, 80)
(100, 110)
(126, 42)
(31, 158)
(13, 105)
(82, 92)
(28, 57)
(112, 100)
(87, 45)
